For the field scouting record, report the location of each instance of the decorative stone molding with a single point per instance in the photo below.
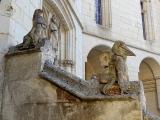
(128, 44)
(66, 63)
(62, 12)
(149, 116)
(67, 31)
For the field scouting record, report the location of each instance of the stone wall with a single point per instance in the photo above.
(28, 96)
(16, 21)
(156, 19)
(126, 26)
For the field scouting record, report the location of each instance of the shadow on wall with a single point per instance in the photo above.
(93, 65)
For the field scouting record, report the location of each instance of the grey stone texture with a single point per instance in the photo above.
(5, 43)
(149, 116)
(81, 88)
(28, 96)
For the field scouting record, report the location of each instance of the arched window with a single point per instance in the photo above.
(98, 11)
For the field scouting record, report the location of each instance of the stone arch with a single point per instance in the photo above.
(62, 11)
(146, 55)
(93, 64)
(150, 76)
(66, 43)
(94, 44)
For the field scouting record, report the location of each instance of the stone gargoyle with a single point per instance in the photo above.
(115, 74)
(36, 37)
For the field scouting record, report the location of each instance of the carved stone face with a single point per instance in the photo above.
(104, 58)
(54, 18)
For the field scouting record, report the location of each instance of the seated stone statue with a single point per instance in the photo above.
(37, 32)
(116, 71)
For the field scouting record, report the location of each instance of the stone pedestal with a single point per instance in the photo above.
(27, 96)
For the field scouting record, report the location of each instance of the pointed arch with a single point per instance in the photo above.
(62, 10)
(67, 41)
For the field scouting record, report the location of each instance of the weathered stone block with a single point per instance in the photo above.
(76, 109)
(17, 67)
(29, 92)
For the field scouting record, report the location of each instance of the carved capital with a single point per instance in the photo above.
(67, 63)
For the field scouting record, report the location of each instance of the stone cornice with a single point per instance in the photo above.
(113, 40)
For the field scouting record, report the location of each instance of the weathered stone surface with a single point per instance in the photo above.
(68, 107)
(46, 53)
(36, 35)
(3, 49)
(26, 96)
(24, 62)
(117, 68)
(29, 91)
(149, 116)
(81, 88)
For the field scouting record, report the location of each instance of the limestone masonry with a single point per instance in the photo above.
(43, 54)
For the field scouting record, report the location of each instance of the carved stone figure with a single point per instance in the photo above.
(116, 72)
(37, 33)
(54, 32)
(94, 79)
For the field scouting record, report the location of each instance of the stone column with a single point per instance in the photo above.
(158, 91)
(68, 62)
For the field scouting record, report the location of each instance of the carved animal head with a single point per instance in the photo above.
(54, 17)
(120, 48)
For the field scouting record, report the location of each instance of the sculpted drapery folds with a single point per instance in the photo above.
(116, 69)
(54, 32)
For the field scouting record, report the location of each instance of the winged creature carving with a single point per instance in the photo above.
(116, 72)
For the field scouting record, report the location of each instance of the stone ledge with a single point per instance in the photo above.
(149, 116)
(77, 86)
(39, 48)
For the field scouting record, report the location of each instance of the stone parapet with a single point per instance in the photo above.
(28, 96)
(81, 88)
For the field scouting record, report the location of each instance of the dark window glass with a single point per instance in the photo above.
(98, 12)
(141, 5)
(143, 26)
(143, 22)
